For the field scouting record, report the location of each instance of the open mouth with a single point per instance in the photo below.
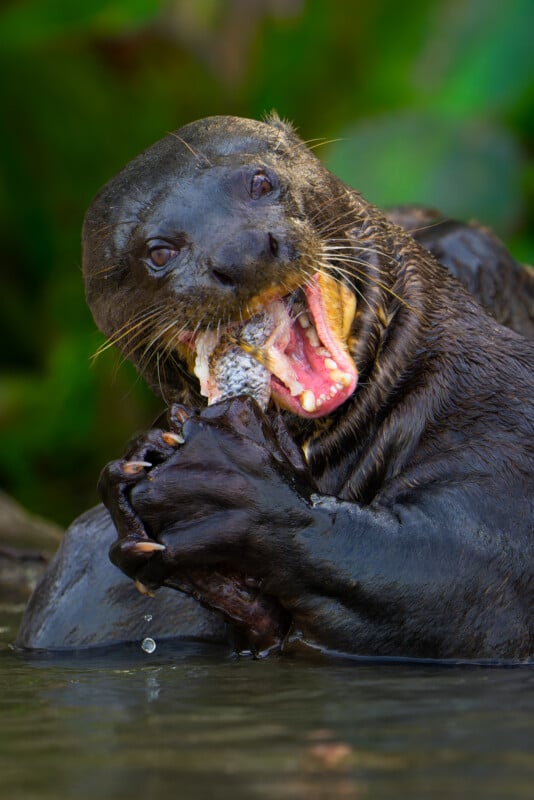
(294, 350)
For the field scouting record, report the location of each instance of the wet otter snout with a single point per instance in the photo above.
(236, 263)
(219, 272)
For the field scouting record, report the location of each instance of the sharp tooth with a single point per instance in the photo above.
(304, 320)
(334, 390)
(307, 401)
(344, 378)
(330, 363)
(312, 337)
(322, 351)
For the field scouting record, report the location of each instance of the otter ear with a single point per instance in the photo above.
(273, 119)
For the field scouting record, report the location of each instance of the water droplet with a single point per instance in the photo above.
(148, 617)
(148, 645)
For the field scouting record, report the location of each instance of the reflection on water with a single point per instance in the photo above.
(192, 722)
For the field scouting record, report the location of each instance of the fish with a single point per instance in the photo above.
(227, 366)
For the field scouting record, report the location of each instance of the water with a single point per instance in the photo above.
(148, 645)
(192, 722)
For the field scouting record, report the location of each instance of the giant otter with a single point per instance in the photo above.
(374, 496)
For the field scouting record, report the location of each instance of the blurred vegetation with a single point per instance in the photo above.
(430, 101)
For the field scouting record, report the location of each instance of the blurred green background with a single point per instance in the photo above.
(431, 101)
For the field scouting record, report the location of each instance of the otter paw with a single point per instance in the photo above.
(134, 547)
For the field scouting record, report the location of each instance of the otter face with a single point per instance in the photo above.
(202, 257)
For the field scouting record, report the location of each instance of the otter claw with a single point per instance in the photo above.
(180, 413)
(135, 467)
(142, 589)
(172, 439)
(145, 547)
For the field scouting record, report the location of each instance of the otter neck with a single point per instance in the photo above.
(392, 344)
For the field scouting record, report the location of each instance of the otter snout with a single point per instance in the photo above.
(239, 262)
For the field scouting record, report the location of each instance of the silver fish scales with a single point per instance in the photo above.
(227, 370)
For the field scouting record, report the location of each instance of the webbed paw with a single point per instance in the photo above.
(195, 503)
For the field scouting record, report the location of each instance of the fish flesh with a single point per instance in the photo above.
(226, 365)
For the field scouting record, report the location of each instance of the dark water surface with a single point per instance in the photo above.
(191, 722)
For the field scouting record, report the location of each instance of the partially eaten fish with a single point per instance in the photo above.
(294, 350)
(226, 369)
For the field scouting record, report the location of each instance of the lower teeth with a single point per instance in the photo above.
(308, 401)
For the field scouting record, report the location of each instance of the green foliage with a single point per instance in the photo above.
(466, 168)
(432, 101)
(31, 23)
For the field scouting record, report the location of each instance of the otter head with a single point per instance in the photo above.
(218, 225)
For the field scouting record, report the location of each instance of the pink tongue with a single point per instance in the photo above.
(313, 373)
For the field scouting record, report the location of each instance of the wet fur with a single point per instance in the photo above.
(444, 398)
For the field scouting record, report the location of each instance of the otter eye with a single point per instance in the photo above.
(260, 185)
(160, 256)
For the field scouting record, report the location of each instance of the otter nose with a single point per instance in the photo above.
(238, 261)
